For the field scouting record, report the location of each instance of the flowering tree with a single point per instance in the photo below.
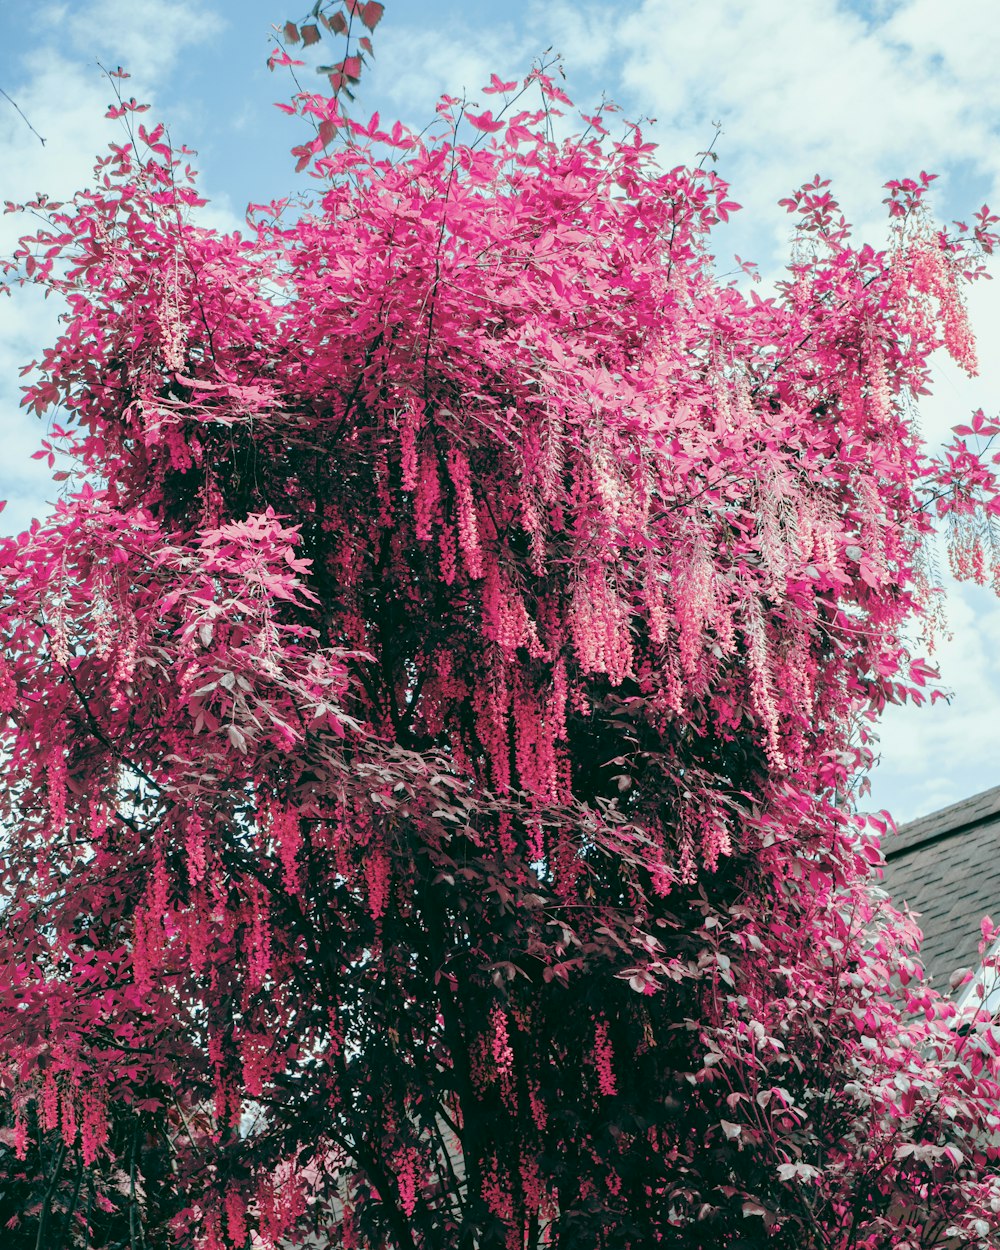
(431, 710)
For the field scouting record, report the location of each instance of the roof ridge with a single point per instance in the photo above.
(948, 822)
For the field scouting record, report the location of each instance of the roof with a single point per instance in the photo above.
(946, 868)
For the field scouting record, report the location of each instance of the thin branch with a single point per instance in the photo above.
(13, 104)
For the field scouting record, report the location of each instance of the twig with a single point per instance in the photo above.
(13, 104)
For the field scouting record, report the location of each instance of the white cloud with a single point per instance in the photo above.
(415, 67)
(148, 39)
(802, 89)
(937, 755)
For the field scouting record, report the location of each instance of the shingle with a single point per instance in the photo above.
(946, 868)
(955, 817)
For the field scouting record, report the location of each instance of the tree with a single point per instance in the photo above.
(431, 712)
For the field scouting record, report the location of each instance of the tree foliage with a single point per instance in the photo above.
(349, 21)
(431, 711)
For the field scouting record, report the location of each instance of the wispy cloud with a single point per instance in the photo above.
(936, 755)
(149, 38)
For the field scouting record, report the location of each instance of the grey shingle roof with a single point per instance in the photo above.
(946, 868)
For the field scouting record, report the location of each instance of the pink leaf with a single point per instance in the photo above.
(485, 122)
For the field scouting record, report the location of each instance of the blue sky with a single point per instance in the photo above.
(859, 91)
